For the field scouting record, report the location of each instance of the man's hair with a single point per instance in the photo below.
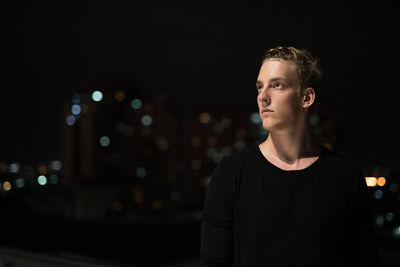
(308, 67)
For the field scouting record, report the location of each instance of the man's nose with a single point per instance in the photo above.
(264, 97)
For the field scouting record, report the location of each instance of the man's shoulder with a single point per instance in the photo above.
(338, 160)
(239, 157)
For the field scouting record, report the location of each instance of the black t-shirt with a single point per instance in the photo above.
(256, 214)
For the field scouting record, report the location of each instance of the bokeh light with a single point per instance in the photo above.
(314, 119)
(104, 141)
(371, 181)
(381, 181)
(146, 120)
(56, 165)
(163, 145)
(255, 118)
(70, 120)
(378, 194)
(42, 180)
(19, 182)
(76, 109)
(205, 117)
(97, 96)
(14, 167)
(76, 98)
(196, 141)
(136, 103)
(141, 172)
(396, 232)
(119, 95)
(53, 179)
(42, 170)
(7, 186)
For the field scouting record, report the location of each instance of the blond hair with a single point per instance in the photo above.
(308, 67)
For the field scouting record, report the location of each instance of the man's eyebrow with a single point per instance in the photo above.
(277, 78)
(271, 80)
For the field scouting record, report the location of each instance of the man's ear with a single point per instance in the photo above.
(308, 97)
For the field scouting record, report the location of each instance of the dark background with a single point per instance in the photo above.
(197, 55)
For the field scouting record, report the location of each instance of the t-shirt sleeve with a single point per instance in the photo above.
(216, 247)
(365, 224)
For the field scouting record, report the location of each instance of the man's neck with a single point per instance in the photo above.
(290, 150)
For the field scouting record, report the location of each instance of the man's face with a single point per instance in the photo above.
(279, 96)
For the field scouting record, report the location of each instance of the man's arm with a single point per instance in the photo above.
(216, 248)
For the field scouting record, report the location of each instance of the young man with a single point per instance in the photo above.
(287, 201)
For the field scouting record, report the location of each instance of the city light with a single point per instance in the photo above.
(146, 120)
(7, 186)
(205, 117)
(56, 165)
(19, 182)
(53, 179)
(157, 204)
(141, 172)
(163, 145)
(371, 181)
(42, 180)
(219, 128)
(119, 95)
(42, 170)
(104, 141)
(381, 181)
(136, 103)
(226, 122)
(196, 164)
(396, 232)
(138, 195)
(314, 119)
(378, 194)
(97, 96)
(70, 120)
(389, 216)
(76, 98)
(196, 141)
(75, 109)
(380, 220)
(239, 144)
(255, 118)
(14, 167)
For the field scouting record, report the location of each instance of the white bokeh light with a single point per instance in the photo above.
(104, 141)
(97, 96)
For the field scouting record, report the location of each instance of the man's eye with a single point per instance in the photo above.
(259, 87)
(277, 85)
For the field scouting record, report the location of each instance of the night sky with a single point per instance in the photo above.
(196, 53)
